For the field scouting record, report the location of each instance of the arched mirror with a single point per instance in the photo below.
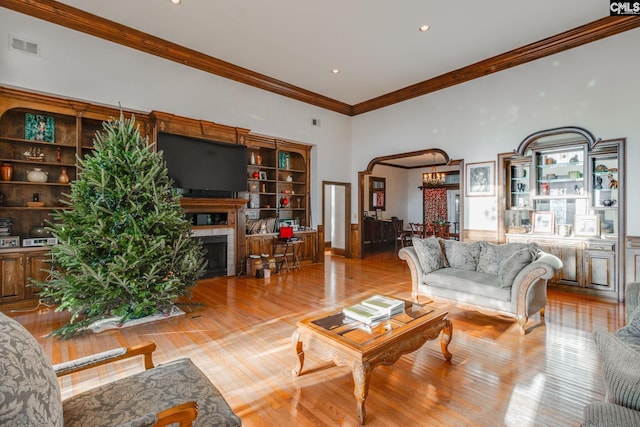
(414, 187)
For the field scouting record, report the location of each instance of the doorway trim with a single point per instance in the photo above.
(347, 214)
(382, 160)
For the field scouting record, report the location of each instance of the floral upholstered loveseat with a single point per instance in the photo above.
(510, 278)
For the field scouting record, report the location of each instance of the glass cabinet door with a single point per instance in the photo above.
(561, 173)
(561, 187)
(604, 182)
(519, 186)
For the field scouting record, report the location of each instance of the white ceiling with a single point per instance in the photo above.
(375, 43)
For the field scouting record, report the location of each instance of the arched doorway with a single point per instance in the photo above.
(414, 163)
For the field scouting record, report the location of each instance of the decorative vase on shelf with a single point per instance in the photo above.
(64, 176)
(256, 175)
(6, 172)
(253, 158)
(37, 175)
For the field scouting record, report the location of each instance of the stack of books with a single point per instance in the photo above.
(374, 309)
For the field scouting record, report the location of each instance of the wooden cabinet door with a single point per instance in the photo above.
(11, 277)
(600, 267)
(35, 266)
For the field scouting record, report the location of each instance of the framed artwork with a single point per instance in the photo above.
(263, 175)
(38, 127)
(543, 222)
(284, 160)
(377, 193)
(480, 179)
(587, 225)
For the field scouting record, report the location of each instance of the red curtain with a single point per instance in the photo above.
(435, 204)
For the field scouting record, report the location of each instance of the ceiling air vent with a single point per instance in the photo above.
(24, 46)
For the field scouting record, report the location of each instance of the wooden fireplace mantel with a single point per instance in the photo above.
(204, 205)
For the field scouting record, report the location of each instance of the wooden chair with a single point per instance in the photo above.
(400, 235)
(417, 229)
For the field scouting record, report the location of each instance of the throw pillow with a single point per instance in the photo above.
(620, 370)
(493, 255)
(429, 254)
(513, 265)
(461, 254)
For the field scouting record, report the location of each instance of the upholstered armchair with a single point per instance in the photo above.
(175, 393)
(620, 359)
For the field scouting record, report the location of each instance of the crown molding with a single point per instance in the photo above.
(79, 20)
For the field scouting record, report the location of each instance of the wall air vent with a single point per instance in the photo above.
(24, 46)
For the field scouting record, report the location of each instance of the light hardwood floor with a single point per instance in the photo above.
(239, 330)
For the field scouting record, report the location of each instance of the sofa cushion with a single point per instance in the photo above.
(461, 254)
(136, 396)
(620, 370)
(513, 265)
(29, 392)
(493, 255)
(468, 282)
(429, 253)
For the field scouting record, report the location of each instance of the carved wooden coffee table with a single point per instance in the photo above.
(346, 342)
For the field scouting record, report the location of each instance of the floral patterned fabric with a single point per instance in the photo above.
(429, 254)
(29, 392)
(151, 391)
(435, 204)
(493, 255)
(460, 254)
(513, 265)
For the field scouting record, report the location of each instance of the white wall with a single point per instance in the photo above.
(593, 86)
(75, 65)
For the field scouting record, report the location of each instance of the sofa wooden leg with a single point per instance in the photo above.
(542, 312)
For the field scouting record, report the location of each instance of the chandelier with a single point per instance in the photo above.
(434, 177)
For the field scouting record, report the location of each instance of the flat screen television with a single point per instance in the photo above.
(203, 168)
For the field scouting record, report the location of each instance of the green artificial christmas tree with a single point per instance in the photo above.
(124, 243)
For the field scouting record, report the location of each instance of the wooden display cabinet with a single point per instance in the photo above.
(67, 130)
(573, 178)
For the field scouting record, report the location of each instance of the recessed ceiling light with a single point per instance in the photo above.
(424, 28)
(335, 71)
(176, 1)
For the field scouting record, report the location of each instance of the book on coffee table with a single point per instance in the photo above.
(389, 305)
(365, 313)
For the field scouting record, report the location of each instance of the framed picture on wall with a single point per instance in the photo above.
(377, 193)
(587, 225)
(480, 179)
(543, 222)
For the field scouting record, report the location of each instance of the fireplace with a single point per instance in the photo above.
(215, 248)
(215, 221)
(219, 246)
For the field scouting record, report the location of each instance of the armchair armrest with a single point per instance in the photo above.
(105, 357)
(183, 414)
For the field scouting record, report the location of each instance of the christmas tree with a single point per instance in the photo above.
(124, 247)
